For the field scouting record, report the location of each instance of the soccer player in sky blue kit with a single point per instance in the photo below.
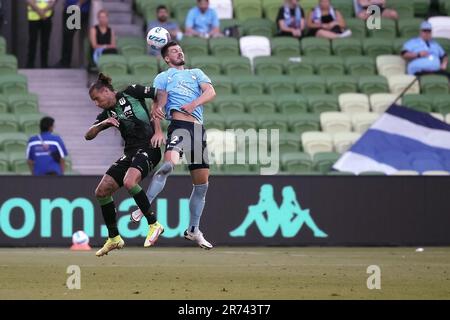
(181, 94)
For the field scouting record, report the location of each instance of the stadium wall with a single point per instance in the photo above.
(305, 210)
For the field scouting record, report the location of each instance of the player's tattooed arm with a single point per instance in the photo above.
(96, 128)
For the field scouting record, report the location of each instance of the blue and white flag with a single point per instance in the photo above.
(401, 139)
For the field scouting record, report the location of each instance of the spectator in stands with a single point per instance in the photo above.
(162, 20)
(68, 34)
(40, 14)
(290, 19)
(326, 22)
(424, 55)
(202, 21)
(102, 37)
(46, 151)
(362, 5)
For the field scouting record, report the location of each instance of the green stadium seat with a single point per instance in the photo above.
(241, 121)
(131, 46)
(418, 102)
(379, 102)
(113, 64)
(222, 85)
(285, 47)
(181, 8)
(388, 30)
(2, 45)
(299, 123)
(324, 161)
(342, 141)
(148, 8)
(18, 162)
(311, 84)
(227, 104)
(8, 64)
(292, 104)
(397, 45)
(23, 103)
(29, 123)
(268, 66)
(215, 121)
(345, 7)
(441, 103)
(399, 82)
(345, 47)
(307, 5)
(300, 66)
(341, 84)
(249, 85)
(270, 9)
(404, 8)
(434, 84)
(289, 142)
(210, 65)
(143, 65)
(8, 123)
(233, 23)
(316, 47)
(258, 27)
(297, 162)
(340, 173)
(121, 82)
(247, 10)
(224, 47)
(374, 47)
(357, 26)
(4, 163)
(359, 65)
(335, 122)
(13, 141)
(275, 121)
(194, 46)
(314, 142)
(321, 103)
(236, 66)
(409, 28)
(330, 66)
(260, 104)
(373, 84)
(3, 104)
(421, 7)
(372, 173)
(13, 84)
(280, 85)
(445, 44)
(354, 102)
(363, 120)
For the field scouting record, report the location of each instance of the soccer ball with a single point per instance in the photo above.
(80, 237)
(158, 37)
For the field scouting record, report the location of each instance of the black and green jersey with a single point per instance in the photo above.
(131, 111)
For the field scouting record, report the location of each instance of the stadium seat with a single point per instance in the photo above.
(373, 84)
(311, 84)
(372, 173)
(143, 65)
(409, 28)
(388, 65)
(226, 24)
(241, 121)
(249, 85)
(131, 46)
(29, 123)
(337, 85)
(345, 7)
(258, 27)
(2, 45)
(405, 173)
(441, 103)
(4, 163)
(270, 9)
(8, 123)
(222, 85)
(123, 81)
(314, 142)
(223, 8)
(397, 45)
(421, 7)
(399, 82)
(280, 85)
(387, 31)
(8, 64)
(445, 43)
(438, 116)
(321, 103)
(357, 26)
(113, 64)
(268, 66)
(215, 121)
(300, 66)
(292, 104)
(434, 84)
(229, 104)
(23, 103)
(247, 9)
(260, 104)
(441, 26)
(324, 161)
(359, 65)
(13, 141)
(418, 102)
(210, 65)
(254, 46)
(276, 121)
(289, 142)
(307, 5)
(13, 84)
(315, 47)
(345, 47)
(436, 173)
(224, 47)
(236, 66)
(404, 8)
(297, 162)
(342, 141)
(194, 46)
(285, 47)
(379, 102)
(374, 47)
(332, 122)
(329, 66)
(362, 121)
(18, 162)
(181, 8)
(354, 102)
(299, 123)
(3, 103)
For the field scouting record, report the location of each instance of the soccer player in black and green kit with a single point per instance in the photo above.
(127, 111)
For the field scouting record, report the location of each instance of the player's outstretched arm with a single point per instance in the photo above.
(208, 94)
(158, 106)
(96, 128)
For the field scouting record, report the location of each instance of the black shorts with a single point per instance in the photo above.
(189, 138)
(145, 160)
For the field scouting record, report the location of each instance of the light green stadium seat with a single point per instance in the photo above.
(388, 65)
(148, 8)
(373, 84)
(388, 30)
(409, 28)
(363, 120)
(357, 26)
(131, 46)
(373, 47)
(2, 45)
(297, 162)
(312, 84)
(418, 102)
(236, 66)
(268, 66)
(123, 81)
(299, 123)
(260, 104)
(292, 104)
(224, 46)
(324, 161)
(285, 47)
(315, 47)
(399, 82)
(258, 27)
(441, 103)
(359, 65)
(321, 103)
(4, 162)
(379, 102)
(329, 66)
(404, 8)
(314, 142)
(280, 85)
(397, 45)
(3, 103)
(300, 66)
(215, 121)
(275, 121)
(354, 102)
(12, 142)
(23, 103)
(13, 84)
(249, 85)
(194, 46)
(333, 122)
(8, 123)
(241, 121)
(210, 65)
(247, 10)
(434, 84)
(289, 142)
(227, 104)
(345, 47)
(342, 141)
(222, 85)
(307, 5)
(227, 23)
(29, 123)
(8, 64)
(341, 84)
(143, 65)
(18, 162)
(113, 64)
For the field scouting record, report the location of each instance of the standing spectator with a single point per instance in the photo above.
(424, 55)
(362, 5)
(326, 22)
(40, 14)
(102, 37)
(46, 151)
(66, 52)
(290, 19)
(202, 21)
(162, 20)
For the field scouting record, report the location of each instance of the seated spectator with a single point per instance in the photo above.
(290, 19)
(424, 55)
(46, 151)
(326, 22)
(102, 37)
(362, 5)
(202, 21)
(162, 20)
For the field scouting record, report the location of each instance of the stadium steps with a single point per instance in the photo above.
(121, 18)
(63, 95)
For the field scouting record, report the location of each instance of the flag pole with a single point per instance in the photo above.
(405, 90)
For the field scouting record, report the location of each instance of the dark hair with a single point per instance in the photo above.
(167, 46)
(160, 7)
(46, 123)
(103, 81)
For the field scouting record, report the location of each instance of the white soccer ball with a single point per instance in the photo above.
(80, 237)
(158, 37)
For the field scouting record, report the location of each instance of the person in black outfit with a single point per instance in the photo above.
(291, 19)
(102, 37)
(326, 22)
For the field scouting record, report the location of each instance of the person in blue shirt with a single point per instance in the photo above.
(162, 20)
(202, 21)
(181, 94)
(46, 151)
(424, 55)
